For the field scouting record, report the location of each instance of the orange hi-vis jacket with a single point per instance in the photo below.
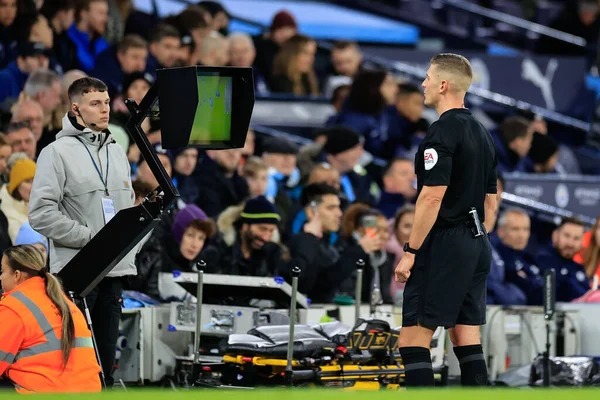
(30, 349)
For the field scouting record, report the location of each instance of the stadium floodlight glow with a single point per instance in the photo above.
(204, 107)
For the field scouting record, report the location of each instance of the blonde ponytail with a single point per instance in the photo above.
(55, 292)
(29, 259)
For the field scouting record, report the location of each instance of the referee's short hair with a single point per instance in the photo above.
(458, 67)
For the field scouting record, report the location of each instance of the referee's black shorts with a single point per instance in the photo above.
(447, 285)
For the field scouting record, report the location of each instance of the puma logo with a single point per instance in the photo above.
(532, 73)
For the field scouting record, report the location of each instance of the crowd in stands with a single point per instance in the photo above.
(272, 205)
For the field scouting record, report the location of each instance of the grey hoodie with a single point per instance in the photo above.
(65, 203)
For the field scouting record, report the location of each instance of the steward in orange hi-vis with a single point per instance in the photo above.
(32, 352)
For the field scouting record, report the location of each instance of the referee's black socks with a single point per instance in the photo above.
(473, 371)
(417, 365)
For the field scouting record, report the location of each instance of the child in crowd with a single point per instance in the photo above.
(256, 173)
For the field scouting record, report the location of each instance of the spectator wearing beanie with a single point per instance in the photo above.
(343, 150)
(15, 200)
(250, 250)
(179, 251)
(267, 45)
(27, 235)
(544, 155)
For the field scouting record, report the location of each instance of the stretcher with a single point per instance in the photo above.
(362, 357)
(330, 355)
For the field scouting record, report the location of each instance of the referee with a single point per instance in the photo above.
(448, 255)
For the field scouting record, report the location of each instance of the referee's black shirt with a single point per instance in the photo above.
(457, 152)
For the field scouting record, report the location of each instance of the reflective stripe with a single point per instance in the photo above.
(7, 357)
(52, 342)
(53, 346)
(38, 315)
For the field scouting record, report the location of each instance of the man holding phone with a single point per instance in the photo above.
(311, 249)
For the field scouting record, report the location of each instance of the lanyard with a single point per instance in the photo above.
(104, 181)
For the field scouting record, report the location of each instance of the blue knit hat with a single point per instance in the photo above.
(259, 210)
(27, 235)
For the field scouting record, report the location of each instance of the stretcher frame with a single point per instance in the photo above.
(355, 372)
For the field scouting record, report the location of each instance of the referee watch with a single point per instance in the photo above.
(408, 249)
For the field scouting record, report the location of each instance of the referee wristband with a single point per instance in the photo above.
(408, 249)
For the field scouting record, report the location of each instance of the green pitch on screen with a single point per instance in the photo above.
(212, 122)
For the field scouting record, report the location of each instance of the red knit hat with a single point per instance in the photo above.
(283, 19)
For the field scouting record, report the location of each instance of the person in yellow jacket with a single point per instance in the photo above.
(45, 343)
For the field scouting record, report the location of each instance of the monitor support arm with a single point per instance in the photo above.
(134, 127)
(129, 226)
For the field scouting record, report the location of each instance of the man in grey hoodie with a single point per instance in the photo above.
(82, 180)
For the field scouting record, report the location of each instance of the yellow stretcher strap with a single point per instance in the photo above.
(258, 361)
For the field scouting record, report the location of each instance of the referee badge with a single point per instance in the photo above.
(430, 158)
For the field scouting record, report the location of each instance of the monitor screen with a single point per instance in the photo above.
(205, 107)
(212, 121)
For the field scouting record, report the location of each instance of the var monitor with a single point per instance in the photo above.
(205, 107)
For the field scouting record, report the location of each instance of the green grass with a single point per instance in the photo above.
(327, 394)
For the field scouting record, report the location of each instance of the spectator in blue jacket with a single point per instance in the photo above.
(398, 186)
(514, 229)
(499, 291)
(8, 34)
(280, 156)
(567, 240)
(27, 235)
(368, 109)
(408, 127)
(32, 57)
(115, 64)
(164, 48)
(86, 34)
(513, 143)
